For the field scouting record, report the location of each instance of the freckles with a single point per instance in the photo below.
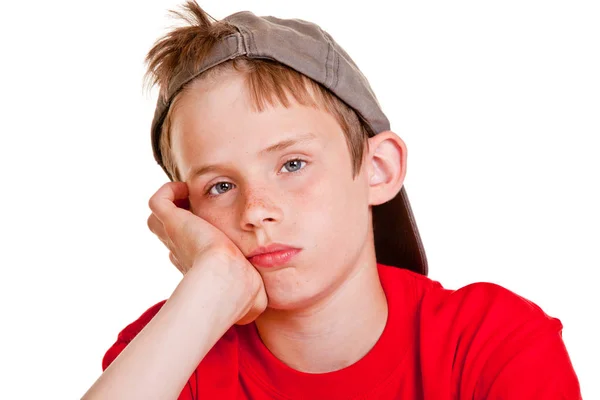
(257, 203)
(254, 202)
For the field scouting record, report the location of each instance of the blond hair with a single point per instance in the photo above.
(269, 82)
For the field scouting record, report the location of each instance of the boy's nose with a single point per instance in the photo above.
(259, 211)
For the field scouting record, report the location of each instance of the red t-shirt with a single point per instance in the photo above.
(479, 342)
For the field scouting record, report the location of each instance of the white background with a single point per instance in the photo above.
(498, 102)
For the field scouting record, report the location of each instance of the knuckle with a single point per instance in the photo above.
(152, 203)
(150, 222)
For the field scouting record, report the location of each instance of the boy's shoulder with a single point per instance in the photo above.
(434, 299)
(478, 312)
(485, 339)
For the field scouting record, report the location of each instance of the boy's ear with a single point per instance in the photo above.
(386, 163)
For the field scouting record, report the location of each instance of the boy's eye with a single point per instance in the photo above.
(221, 185)
(293, 166)
(295, 163)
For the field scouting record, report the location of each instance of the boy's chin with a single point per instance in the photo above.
(289, 299)
(294, 287)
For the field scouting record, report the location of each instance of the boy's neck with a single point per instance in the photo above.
(333, 334)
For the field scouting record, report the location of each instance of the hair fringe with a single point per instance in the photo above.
(183, 47)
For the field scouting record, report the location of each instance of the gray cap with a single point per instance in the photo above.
(306, 48)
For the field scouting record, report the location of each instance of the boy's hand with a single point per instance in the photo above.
(195, 243)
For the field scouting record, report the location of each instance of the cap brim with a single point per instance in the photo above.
(397, 239)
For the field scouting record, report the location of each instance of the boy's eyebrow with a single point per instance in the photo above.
(284, 144)
(279, 146)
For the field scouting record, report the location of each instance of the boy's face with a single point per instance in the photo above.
(260, 199)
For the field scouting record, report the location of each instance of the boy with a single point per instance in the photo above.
(304, 272)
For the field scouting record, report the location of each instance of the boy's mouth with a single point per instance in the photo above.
(273, 259)
(270, 248)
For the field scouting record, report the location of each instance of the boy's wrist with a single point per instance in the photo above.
(217, 289)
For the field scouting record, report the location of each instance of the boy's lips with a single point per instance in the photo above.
(273, 259)
(272, 255)
(273, 247)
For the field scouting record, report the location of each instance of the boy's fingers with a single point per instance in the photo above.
(158, 229)
(155, 225)
(162, 203)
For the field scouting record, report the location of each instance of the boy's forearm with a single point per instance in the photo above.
(160, 359)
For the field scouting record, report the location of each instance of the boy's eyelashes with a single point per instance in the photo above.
(294, 165)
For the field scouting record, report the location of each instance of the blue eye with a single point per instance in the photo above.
(293, 163)
(219, 185)
(296, 162)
